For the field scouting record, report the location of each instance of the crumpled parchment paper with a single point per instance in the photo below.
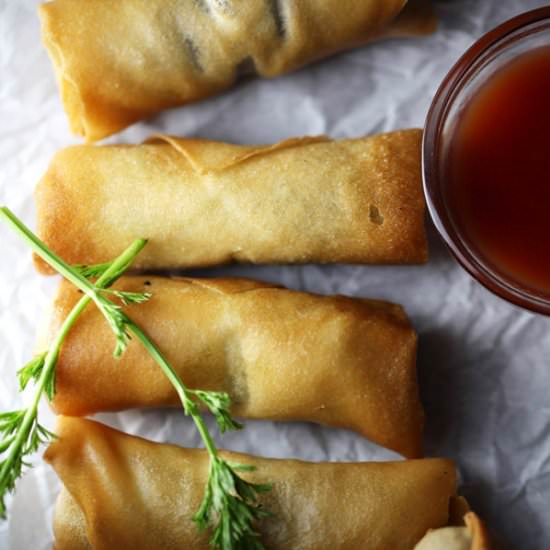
(484, 365)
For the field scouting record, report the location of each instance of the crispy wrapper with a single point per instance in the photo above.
(119, 62)
(124, 492)
(203, 203)
(280, 354)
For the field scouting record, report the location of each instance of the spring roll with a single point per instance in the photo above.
(280, 354)
(119, 62)
(121, 491)
(203, 203)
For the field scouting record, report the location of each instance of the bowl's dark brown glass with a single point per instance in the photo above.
(489, 54)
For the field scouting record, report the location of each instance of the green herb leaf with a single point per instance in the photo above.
(118, 322)
(130, 297)
(31, 371)
(219, 404)
(230, 507)
(92, 271)
(13, 455)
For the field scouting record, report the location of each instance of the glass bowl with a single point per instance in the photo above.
(495, 49)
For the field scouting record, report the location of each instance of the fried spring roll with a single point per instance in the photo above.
(204, 203)
(280, 354)
(119, 62)
(125, 492)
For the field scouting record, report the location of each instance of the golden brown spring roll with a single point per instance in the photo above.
(125, 492)
(280, 354)
(203, 203)
(119, 62)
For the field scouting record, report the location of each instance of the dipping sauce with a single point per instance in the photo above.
(497, 171)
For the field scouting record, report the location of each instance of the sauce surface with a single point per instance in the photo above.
(498, 171)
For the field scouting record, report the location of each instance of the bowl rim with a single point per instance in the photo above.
(471, 262)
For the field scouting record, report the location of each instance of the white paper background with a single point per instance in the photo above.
(483, 364)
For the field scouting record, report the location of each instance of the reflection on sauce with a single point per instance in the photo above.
(498, 171)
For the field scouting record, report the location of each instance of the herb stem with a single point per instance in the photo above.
(183, 392)
(83, 284)
(46, 254)
(59, 265)
(111, 274)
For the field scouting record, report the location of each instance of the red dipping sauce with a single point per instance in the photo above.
(486, 160)
(498, 170)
